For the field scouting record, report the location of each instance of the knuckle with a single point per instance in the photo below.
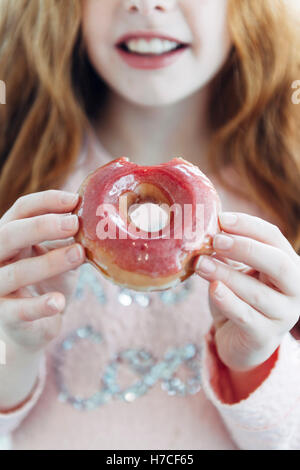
(45, 196)
(258, 221)
(4, 237)
(241, 315)
(40, 224)
(276, 230)
(283, 268)
(248, 248)
(19, 205)
(51, 195)
(246, 317)
(293, 312)
(293, 319)
(40, 197)
(243, 318)
(22, 313)
(48, 194)
(52, 261)
(48, 263)
(225, 274)
(259, 299)
(13, 275)
(46, 223)
(297, 260)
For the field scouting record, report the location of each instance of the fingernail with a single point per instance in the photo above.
(205, 265)
(56, 304)
(223, 242)
(69, 198)
(69, 222)
(74, 254)
(228, 219)
(219, 292)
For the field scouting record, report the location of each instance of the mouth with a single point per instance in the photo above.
(151, 47)
(149, 51)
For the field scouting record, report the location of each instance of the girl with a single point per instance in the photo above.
(210, 364)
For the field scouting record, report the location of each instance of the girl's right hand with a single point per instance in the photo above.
(26, 320)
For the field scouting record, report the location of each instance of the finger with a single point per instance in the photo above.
(218, 318)
(40, 203)
(268, 301)
(33, 270)
(35, 335)
(235, 309)
(51, 245)
(16, 311)
(235, 264)
(267, 259)
(45, 247)
(22, 233)
(254, 227)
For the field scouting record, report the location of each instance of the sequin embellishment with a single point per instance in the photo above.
(127, 297)
(148, 370)
(87, 277)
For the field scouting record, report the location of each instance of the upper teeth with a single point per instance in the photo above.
(153, 46)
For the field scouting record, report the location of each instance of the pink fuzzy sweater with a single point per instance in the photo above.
(163, 390)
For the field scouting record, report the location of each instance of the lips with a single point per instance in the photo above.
(148, 50)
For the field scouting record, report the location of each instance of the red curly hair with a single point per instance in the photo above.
(53, 92)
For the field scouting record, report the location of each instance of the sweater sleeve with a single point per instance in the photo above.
(9, 421)
(269, 418)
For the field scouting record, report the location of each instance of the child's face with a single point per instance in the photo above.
(167, 78)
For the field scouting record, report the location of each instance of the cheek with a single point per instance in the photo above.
(96, 21)
(209, 24)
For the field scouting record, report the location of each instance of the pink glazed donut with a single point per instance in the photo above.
(131, 254)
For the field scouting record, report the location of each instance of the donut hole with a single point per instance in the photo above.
(149, 217)
(147, 207)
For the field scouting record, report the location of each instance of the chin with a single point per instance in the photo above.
(150, 98)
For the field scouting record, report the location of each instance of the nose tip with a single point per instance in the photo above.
(147, 6)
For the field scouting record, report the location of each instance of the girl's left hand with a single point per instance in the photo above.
(251, 314)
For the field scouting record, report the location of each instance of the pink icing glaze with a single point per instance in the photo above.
(181, 183)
